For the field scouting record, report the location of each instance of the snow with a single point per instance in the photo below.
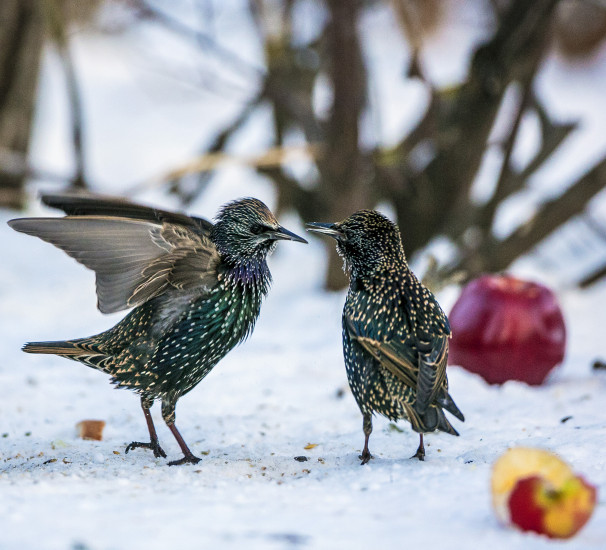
(283, 389)
(249, 419)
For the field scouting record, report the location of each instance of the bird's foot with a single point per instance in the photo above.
(187, 459)
(420, 454)
(153, 445)
(365, 457)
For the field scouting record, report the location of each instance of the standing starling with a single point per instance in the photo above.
(196, 289)
(395, 335)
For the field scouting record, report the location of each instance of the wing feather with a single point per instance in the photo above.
(81, 204)
(399, 364)
(432, 371)
(134, 259)
(423, 370)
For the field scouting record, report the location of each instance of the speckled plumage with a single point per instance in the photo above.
(197, 291)
(395, 334)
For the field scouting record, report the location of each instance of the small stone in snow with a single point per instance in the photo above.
(599, 365)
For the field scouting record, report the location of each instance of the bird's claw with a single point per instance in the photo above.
(187, 459)
(365, 457)
(152, 445)
(420, 454)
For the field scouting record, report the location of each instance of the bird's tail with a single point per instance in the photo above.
(446, 402)
(433, 418)
(82, 350)
(443, 424)
(65, 348)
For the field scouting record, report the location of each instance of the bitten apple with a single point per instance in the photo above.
(535, 490)
(505, 328)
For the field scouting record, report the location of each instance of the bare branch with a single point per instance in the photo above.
(14, 164)
(437, 197)
(218, 144)
(554, 213)
(151, 12)
(552, 136)
(593, 277)
(56, 24)
(212, 161)
(487, 213)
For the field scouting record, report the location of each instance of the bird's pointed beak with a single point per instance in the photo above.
(284, 234)
(331, 229)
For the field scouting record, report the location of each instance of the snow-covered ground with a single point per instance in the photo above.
(249, 419)
(272, 397)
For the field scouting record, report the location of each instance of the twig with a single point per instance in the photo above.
(593, 277)
(409, 22)
(56, 24)
(148, 11)
(487, 213)
(552, 135)
(212, 161)
(596, 226)
(216, 146)
(550, 216)
(14, 163)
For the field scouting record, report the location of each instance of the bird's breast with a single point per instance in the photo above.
(205, 333)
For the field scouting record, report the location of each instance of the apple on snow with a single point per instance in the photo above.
(535, 490)
(505, 328)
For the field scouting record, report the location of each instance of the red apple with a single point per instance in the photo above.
(535, 490)
(536, 505)
(505, 328)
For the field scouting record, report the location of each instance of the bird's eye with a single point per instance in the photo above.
(257, 229)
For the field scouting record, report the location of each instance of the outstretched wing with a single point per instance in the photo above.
(86, 204)
(136, 255)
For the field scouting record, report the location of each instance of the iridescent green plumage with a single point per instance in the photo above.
(197, 289)
(395, 335)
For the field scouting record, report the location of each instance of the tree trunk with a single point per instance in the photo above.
(21, 38)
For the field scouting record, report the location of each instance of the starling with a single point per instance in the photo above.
(395, 335)
(196, 289)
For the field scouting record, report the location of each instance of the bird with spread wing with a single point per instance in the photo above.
(195, 290)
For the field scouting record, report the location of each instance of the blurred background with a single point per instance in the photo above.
(477, 125)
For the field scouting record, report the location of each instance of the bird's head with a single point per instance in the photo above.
(246, 230)
(366, 240)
